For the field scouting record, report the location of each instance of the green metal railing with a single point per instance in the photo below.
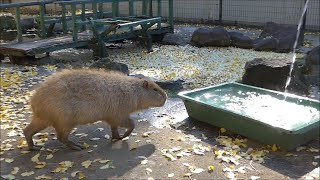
(97, 13)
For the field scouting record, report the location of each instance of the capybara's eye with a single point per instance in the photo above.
(155, 89)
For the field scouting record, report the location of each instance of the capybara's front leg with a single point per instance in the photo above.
(115, 133)
(34, 127)
(130, 126)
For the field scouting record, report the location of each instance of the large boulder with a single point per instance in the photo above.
(175, 39)
(267, 44)
(240, 40)
(313, 65)
(211, 37)
(28, 23)
(272, 74)
(7, 22)
(284, 36)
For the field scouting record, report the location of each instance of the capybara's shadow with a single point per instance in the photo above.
(124, 155)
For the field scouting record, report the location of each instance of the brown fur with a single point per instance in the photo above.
(74, 97)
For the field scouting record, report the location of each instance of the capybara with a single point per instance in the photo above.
(74, 97)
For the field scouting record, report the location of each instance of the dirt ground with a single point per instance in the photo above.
(166, 143)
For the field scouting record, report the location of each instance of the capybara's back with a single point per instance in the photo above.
(74, 97)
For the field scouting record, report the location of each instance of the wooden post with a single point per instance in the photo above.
(144, 7)
(94, 9)
(83, 15)
(171, 14)
(131, 11)
(19, 30)
(131, 6)
(100, 10)
(63, 18)
(159, 12)
(74, 25)
(115, 8)
(220, 11)
(150, 9)
(42, 25)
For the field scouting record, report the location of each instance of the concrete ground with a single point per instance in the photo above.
(142, 155)
(153, 151)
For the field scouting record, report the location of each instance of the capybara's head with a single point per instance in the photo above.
(152, 95)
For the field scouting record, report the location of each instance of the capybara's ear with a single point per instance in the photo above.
(145, 84)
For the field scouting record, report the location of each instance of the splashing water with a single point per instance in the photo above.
(295, 45)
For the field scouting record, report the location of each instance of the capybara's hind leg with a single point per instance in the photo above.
(63, 136)
(130, 126)
(34, 127)
(115, 133)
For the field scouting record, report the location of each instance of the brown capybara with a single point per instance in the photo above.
(75, 97)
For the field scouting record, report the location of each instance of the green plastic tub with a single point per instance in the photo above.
(270, 117)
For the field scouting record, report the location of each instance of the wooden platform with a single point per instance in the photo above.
(31, 48)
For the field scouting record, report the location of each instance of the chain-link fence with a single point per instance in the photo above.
(239, 12)
(232, 12)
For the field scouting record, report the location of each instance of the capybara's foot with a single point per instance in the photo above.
(115, 134)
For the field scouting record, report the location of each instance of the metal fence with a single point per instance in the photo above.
(242, 12)
(233, 12)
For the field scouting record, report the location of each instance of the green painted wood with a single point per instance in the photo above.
(94, 9)
(74, 24)
(42, 25)
(141, 22)
(83, 15)
(115, 8)
(131, 7)
(21, 4)
(145, 7)
(159, 11)
(171, 14)
(63, 18)
(18, 24)
(100, 10)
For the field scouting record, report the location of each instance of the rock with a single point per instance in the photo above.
(313, 65)
(8, 35)
(169, 85)
(28, 23)
(313, 56)
(7, 22)
(285, 36)
(240, 40)
(175, 39)
(210, 37)
(267, 44)
(105, 63)
(272, 74)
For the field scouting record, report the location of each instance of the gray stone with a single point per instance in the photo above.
(240, 40)
(272, 74)
(7, 22)
(28, 23)
(267, 44)
(210, 37)
(285, 36)
(175, 39)
(8, 35)
(105, 63)
(313, 65)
